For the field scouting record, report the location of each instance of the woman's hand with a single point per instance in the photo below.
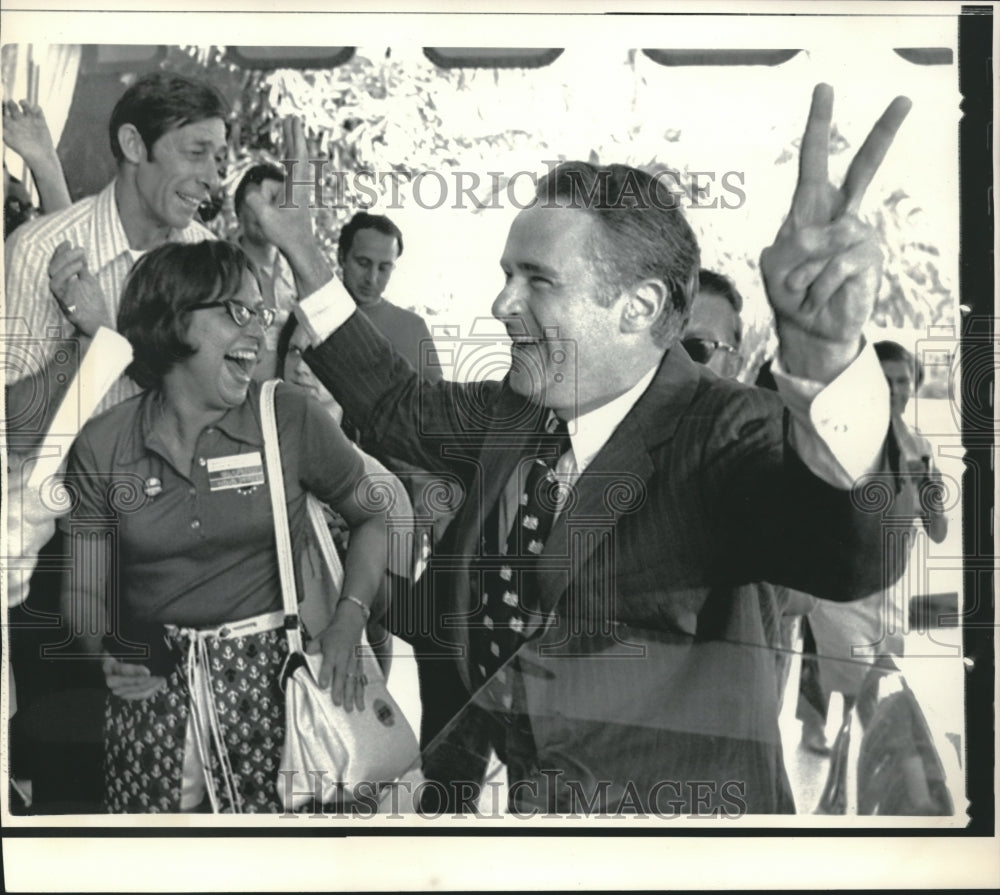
(339, 643)
(129, 681)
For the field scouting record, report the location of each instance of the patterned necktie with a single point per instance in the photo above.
(509, 587)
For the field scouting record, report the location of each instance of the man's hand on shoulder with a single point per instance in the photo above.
(823, 271)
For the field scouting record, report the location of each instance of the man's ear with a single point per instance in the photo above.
(132, 145)
(643, 305)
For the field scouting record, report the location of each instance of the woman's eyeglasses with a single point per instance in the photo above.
(240, 313)
(701, 350)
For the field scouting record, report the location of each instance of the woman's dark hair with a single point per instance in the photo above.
(161, 288)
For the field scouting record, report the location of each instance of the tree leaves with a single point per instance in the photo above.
(405, 115)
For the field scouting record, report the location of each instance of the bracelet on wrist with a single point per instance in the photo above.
(365, 611)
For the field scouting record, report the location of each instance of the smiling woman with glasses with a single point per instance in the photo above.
(191, 591)
(241, 314)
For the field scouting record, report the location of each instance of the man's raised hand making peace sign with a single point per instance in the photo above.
(823, 270)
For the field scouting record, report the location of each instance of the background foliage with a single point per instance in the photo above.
(398, 112)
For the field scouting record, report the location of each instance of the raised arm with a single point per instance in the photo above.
(26, 132)
(822, 273)
(401, 415)
(289, 224)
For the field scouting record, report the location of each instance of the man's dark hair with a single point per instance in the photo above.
(887, 350)
(646, 233)
(256, 175)
(158, 295)
(160, 102)
(364, 221)
(719, 284)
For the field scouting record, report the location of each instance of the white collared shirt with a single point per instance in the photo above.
(590, 431)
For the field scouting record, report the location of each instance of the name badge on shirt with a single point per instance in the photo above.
(235, 471)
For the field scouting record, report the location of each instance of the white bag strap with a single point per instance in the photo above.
(325, 541)
(276, 484)
(335, 567)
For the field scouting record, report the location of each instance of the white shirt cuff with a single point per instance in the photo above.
(325, 311)
(838, 429)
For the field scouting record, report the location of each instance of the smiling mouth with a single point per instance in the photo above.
(242, 362)
(527, 357)
(192, 202)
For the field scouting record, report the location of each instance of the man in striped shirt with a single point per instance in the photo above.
(65, 271)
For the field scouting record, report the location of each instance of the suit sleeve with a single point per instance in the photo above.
(431, 361)
(401, 415)
(781, 523)
(838, 428)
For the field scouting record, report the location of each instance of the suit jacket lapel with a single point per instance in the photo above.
(616, 480)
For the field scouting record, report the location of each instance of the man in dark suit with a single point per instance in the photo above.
(612, 663)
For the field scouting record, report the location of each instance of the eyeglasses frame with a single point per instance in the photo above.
(265, 315)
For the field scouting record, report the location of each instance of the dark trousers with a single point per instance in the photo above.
(454, 746)
(813, 702)
(55, 735)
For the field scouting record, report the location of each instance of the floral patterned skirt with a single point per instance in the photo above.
(144, 739)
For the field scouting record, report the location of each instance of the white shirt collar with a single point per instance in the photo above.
(109, 240)
(590, 431)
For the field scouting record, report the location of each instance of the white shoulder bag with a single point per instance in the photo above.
(330, 755)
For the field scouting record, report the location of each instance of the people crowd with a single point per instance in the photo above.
(610, 608)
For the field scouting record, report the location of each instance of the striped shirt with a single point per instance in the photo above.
(94, 225)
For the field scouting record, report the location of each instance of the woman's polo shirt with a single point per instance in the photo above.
(197, 548)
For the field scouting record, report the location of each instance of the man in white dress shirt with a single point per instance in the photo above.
(620, 678)
(685, 492)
